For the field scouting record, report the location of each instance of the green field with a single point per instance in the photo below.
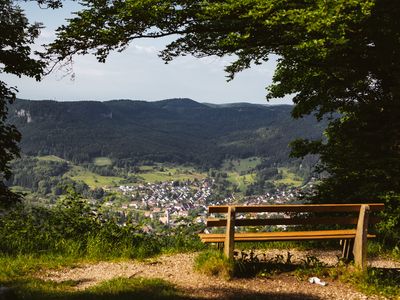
(102, 161)
(148, 174)
(240, 172)
(93, 180)
(241, 165)
(241, 181)
(288, 178)
(20, 189)
(147, 168)
(51, 158)
(156, 173)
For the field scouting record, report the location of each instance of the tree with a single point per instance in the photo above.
(339, 58)
(16, 38)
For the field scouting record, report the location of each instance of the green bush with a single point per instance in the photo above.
(389, 227)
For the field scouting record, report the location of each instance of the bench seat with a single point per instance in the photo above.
(281, 236)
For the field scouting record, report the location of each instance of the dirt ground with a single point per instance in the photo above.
(178, 269)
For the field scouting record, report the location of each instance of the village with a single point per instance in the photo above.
(173, 202)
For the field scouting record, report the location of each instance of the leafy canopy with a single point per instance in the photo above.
(334, 56)
(308, 36)
(16, 38)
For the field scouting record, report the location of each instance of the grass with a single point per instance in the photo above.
(241, 173)
(117, 288)
(93, 180)
(288, 178)
(241, 165)
(149, 173)
(241, 181)
(14, 268)
(20, 189)
(377, 249)
(375, 281)
(102, 161)
(147, 168)
(284, 245)
(51, 158)
(154, 174)
(137, 287)
(214, 263)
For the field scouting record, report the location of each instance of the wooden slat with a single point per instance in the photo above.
(297, 208)
(282, 236)
(280, 239)
(288, 233)
(211, 222)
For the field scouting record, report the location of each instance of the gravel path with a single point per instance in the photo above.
(178, 269)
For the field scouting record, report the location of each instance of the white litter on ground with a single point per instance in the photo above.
(316, 280)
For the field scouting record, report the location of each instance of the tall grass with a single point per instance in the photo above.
(214, 263)
(73, 230)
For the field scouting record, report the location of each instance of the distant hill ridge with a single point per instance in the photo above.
(172, 130)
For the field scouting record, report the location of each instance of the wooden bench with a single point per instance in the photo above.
(354, 216)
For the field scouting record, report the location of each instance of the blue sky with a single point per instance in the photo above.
(138, 73)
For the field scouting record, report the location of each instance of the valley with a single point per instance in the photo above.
(159, 163)
(154, 195)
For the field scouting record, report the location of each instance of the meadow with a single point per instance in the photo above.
(161, 173)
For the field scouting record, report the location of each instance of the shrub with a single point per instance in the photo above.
(389, 227)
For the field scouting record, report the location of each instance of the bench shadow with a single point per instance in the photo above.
(237, 294)
(161, 291)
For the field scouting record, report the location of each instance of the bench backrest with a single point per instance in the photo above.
(293, 214)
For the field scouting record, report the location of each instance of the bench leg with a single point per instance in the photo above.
(229, 244)
(360, 241)
(220, 246)
(347, 246)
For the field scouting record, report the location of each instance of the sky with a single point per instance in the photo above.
(139, 74)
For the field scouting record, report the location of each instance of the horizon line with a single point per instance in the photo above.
(270, 103)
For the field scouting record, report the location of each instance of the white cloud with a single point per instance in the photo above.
(145, 49)
(47, 35)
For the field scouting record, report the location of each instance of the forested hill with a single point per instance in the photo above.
(173, 130)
